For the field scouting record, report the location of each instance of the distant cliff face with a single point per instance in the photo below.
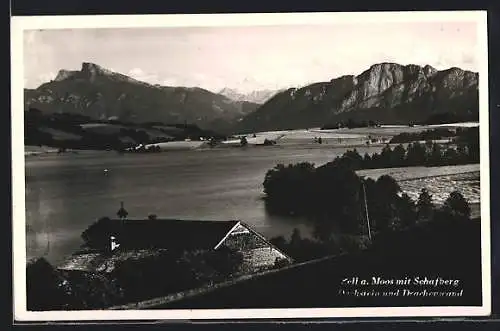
(100, 93)
(386, 92)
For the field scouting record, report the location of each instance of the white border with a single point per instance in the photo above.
(19, 24)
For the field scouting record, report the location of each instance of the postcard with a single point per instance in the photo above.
(250, 166)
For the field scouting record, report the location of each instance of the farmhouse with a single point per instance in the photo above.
(110, 241)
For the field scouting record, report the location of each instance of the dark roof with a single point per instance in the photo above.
(165, 233)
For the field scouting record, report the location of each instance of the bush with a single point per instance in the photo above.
(456, 207)
(287, 188)
(44, 291)
(98, 233)
(425, 207)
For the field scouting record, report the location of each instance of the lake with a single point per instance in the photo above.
(66, 193)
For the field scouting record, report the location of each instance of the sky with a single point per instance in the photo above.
(249, 58)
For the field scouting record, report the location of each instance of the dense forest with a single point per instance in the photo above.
(431, 134)
(333, 199)
(337, 201)
(463, 149)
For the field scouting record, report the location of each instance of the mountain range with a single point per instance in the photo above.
(386, 92)
(102, 94)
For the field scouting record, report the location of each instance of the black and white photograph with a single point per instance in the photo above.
(250, 166)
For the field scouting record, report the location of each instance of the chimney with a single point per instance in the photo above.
(114, 243)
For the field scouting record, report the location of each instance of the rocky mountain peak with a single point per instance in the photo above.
(390, 92)
(345, 79)
(429, 71)
(92, 70)
(456, 78)
(65, 74)
(400, 71)
(97, 92)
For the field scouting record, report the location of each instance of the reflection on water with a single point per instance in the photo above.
(66, 193)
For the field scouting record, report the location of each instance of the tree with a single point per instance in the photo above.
(451, 156)
(323, 231)
(395, 223)
(407, 211)
(472, 140)
(288, 189)
(384, 201)
(225, 261)
(243, 141)
(351, 123)
(97, 234)
(398, 156)
(457, 206)
(351, 159)
(429, 144)
(46, 288)
(295, 239)
(279, 242)
(425, 207)
(462, 152)
(367, 161)
(416, 154)
(376, 162)
(386, 156)
(388, 187)
(337, 199)
(435, 156)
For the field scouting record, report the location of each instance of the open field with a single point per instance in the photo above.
(102, 128)
(179, 145)
(439, 181)
(113, 129)
(60, 135)
(408, 173)
(441, 186)
(345, 136)
(392, 130)
(37, 150)
(376, 136)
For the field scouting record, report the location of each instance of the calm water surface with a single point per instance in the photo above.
(67, 193)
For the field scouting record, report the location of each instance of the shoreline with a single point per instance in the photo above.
(204, 147)
(341, 138)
